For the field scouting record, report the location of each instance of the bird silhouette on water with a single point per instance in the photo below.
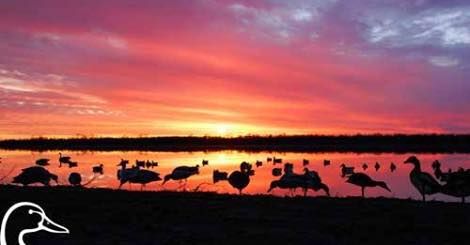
(377, 166)
(290, 180)
(42, 162)
(63, 159)
(75, 179)
(363, 180)
(238, 179)
(33, 175)
(136, 175)
(422, 181)
(456, 184)
(345, 170)
(182, 173)
(98, 169)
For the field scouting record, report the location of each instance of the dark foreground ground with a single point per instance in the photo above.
(98, 216)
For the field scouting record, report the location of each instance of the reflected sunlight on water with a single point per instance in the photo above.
(398, 181)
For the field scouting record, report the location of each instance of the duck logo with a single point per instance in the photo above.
(30, 209)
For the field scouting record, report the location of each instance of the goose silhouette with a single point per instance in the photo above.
(422, 181)
(30, 209)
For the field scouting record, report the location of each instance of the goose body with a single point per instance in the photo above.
(422, 181)
(75, 179)
(136, 175)
(457, 184)
(42, 162)
(305, 162)
(240, 179)
(33, 175)
(377, 166)
(346, 171)
(308, 180)
(98, 169)
(363, 180)
(182, 173)
(63, 159)
(219, 176)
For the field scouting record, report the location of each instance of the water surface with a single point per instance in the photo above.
(398, 181)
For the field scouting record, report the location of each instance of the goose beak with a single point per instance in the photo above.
(52, 227)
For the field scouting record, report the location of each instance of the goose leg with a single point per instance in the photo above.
(362, 190)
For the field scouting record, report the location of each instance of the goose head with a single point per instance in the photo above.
(436, 165)
(325, 188)
(413, 160)
(27, 218)
(167, 178)
(274, 184)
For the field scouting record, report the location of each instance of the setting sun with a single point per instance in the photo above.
(222, 129)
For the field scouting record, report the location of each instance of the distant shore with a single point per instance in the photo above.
(432, 143)
(103, 216)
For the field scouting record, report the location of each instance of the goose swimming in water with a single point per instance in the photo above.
(63, 159)
(345, 170)
(305, 162)
(422, 181)
(33, 175)
(26, 211)
(377, 166)
(363, 180)
(42, 162)
(98, 169)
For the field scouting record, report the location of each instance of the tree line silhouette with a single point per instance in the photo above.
(398, 143)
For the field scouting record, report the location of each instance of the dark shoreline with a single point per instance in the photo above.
(428, 143)
(103, 216)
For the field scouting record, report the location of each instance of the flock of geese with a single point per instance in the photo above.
(451, 183)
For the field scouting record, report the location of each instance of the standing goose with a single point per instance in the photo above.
(240, 179)
(457, 184)
(314, 182)
(422, 181)
(182, 173)
(363, 180)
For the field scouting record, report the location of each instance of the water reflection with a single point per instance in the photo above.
(228, 161)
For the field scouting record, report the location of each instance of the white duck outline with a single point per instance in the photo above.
(45, 224)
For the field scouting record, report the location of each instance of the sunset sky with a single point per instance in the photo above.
(133, 68)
